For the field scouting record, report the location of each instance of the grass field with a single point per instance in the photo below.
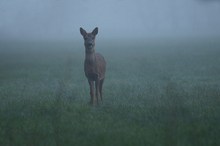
(156, 93)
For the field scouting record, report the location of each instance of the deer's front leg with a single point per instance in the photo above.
(97, 84)
(91, 84)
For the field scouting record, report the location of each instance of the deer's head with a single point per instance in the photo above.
(89, 39)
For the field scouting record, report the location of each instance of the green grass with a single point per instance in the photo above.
(156, 93)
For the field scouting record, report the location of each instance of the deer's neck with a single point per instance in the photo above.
(90, 57)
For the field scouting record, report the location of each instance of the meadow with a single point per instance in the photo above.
(156, 93)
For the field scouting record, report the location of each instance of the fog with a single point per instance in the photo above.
(60, 20)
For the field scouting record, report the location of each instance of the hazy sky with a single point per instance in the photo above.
(61, 19)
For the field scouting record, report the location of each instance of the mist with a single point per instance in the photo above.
(120, 19)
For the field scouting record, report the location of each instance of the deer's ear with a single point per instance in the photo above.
(82, 31)
(95, 31)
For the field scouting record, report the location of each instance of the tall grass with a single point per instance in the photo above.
(155, 93)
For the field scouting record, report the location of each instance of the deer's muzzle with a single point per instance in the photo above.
(89, 45)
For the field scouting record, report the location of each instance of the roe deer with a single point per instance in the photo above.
(94, 65)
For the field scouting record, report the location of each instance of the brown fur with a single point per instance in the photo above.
(94, 65)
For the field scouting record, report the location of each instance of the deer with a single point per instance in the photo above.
(94, 66)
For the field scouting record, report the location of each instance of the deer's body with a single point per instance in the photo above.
(94, 65)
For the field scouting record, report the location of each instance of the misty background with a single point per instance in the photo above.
(60, 20)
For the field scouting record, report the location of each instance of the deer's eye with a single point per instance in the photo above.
(92, 37)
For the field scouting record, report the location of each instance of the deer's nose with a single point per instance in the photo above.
(89, 43)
